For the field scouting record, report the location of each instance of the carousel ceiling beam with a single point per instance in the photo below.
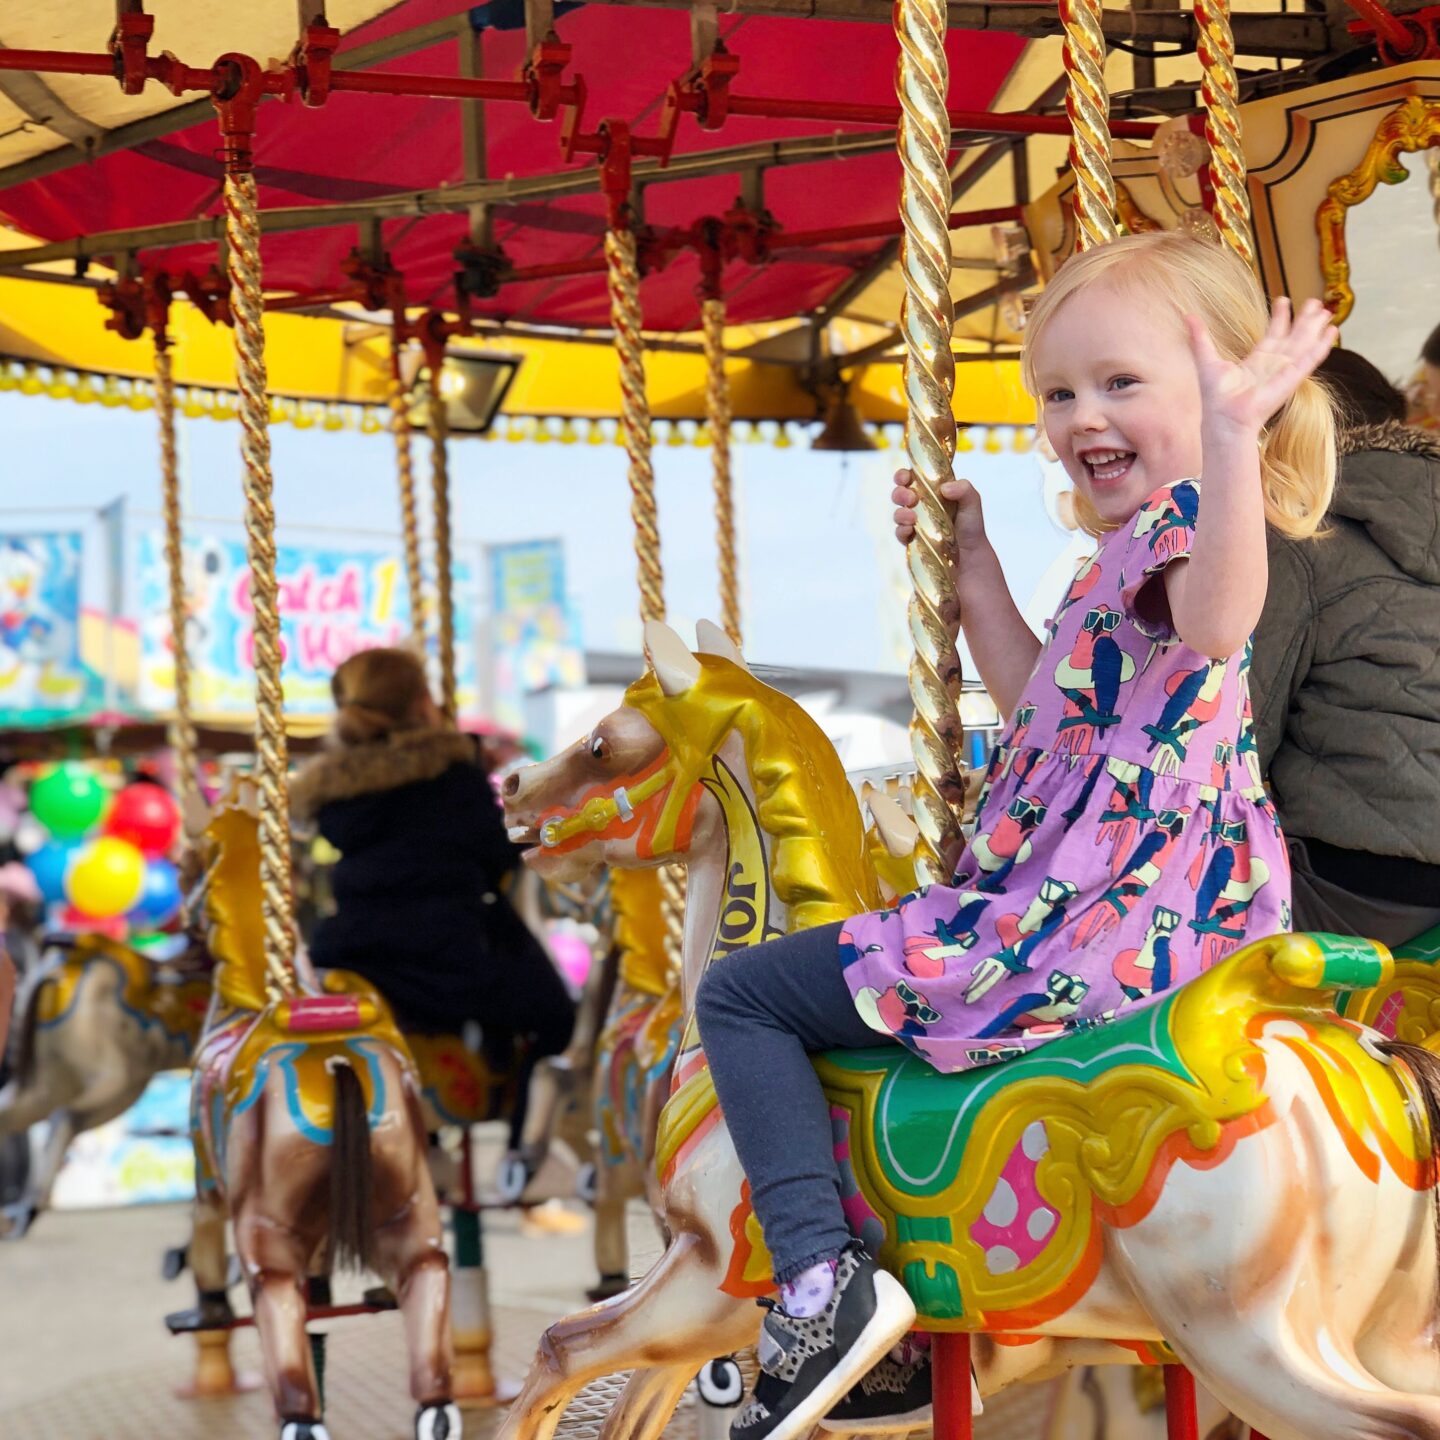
(44, 107)
(451, 199)
(1276, 36)
(125, 137)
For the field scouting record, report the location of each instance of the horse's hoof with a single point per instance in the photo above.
(16, 1220)
(438, 1422)
(721, 1384)
(511, 1178)
(177, 1257)
(587, 1182)
(608, 1287)
(303, 1430)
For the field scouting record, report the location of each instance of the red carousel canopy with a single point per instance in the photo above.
(360, 147)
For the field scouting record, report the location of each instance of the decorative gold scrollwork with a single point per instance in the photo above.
(1414, 125)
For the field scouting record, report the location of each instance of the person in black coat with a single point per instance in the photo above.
(419, 908)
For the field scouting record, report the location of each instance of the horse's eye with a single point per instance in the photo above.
(599, 747)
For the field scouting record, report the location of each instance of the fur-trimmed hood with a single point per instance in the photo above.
(345, 772)
(1390, 483)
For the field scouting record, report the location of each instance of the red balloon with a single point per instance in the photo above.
(114, 927)
(146, 816)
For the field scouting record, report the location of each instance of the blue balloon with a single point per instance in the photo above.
(159, 901)
(48, 865)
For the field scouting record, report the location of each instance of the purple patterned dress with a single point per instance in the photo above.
(1124, 842)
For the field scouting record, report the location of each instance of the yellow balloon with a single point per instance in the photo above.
(107, 877)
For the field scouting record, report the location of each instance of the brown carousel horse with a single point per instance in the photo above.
(308, 1129)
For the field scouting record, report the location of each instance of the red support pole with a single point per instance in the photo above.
(1180, 1419)
(950, 1364)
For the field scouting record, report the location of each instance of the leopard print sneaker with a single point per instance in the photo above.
(806, 1365)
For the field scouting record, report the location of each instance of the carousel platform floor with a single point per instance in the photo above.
(84, 1354)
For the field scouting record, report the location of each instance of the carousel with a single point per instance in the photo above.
(445, 219)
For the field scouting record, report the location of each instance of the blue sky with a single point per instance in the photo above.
(823, 578)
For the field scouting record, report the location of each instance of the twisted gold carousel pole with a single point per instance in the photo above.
(717, 411)
(625, 317)
(926, 319)
(182, 731)
(405, 477)
(1432, 157)
(1220, 92)
(438, 425)
(1087, 103)
(242, 235)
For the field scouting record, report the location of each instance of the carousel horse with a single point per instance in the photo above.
(97, 1020)
(308, 1131)
(1237, 1176)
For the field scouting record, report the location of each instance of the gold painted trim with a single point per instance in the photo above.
(1413, 125)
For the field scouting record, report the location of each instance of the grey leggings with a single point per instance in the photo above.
(761, 1012)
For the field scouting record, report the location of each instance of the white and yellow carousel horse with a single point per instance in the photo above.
(96, 1021)
(309, 1132)
(1237, 1176)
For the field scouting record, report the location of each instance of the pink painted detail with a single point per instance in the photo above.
(861, 1218)
(324, 1012)
(1387, 1019)
(1017, 1223)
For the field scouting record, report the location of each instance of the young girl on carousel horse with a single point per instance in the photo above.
(1123, 843)
(419, 908)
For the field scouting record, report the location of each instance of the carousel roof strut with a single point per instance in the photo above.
(182, 117)
(1273, 36)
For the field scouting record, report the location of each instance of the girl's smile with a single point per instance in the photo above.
(1120, 395)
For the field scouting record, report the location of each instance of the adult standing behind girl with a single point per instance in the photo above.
(423, 854)
(1124, 841)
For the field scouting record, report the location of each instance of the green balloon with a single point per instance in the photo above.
(68, 800)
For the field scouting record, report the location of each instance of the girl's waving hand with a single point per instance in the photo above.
(1241, 396)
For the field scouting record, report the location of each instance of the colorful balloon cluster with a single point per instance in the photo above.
(101, 861)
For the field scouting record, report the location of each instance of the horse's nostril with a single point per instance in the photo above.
(512, 786)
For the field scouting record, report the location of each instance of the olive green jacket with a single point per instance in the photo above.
(1346, 672)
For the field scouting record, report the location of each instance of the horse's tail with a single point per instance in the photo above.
(352, 1226)
(1425, 1067)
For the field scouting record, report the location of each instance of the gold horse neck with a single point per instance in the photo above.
(233, 909)
(809, 825)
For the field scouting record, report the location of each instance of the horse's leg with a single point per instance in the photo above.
(614, 1186)
(411, 1257)
(647, 1403)
(676, 1318)
(22, 1106)
(63, 1129)
(209, 1263)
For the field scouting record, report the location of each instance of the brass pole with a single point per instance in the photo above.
(439, 427)
(242, 233)
(1087, 103)
(717, 411)
(405, 476)
(182, 732)
(926, 318)
(626, 320)
(1220, 92)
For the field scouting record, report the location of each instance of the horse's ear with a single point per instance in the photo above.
(897, 831)
(247, 797)
(710, 639)
(196, 814)
(675, 667)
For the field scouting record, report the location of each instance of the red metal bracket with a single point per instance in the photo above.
(128, 44)
(374, 281)
(209, 294)
(239, 83)
(706, 95)
(750, 232)
(481, 271)
(544, 72)
(1400, 38)
(311, 62)
(432, 330)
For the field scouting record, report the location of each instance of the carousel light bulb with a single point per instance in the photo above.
(85, 391)
(782, 436)
(543, 434)
(304, 416)
(703, 437)
(334, 420)
(194, 406)
(1024, 440)
(677, 434)
(110, 395)
(61, 386)
(30, 381)
(370, 421)
(878, 435)
(223, 407)
(142, 396)
(594, 432)
(963, 443)
(992, 441)
(568, 435)
(8, 378)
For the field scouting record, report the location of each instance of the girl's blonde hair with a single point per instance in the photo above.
(378, 692)
(1197, 277)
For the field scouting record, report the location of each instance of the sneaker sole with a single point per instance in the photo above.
(881, 1424)
(893, 1317)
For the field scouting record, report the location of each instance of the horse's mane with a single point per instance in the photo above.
(803, 800)
(233, 909)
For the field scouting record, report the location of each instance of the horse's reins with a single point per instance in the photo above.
(600, 812)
